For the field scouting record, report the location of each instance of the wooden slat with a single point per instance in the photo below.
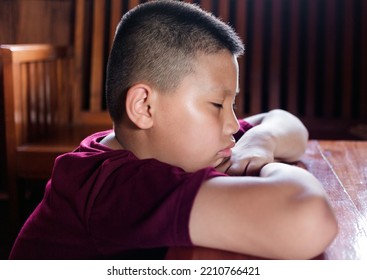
(329, 65)
(40, 97)
(55, 88)
(97, 66)
(22, 117)
(79, 62)
(51, 100)
(363, 62)
(275, 55)
(11, 141)
(293, 59)
(240, 26)
(47, 97)
(63, 90)
(347, 60)
(256, 70)
(116, 13)
(223, 10)
(30, 52)
(32, 102)
(311, 58)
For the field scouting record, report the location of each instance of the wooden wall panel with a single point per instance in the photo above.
(304, 56)
(37, 21)
(361, 76)
(8, 23)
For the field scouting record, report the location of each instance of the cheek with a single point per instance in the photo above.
(193, 145)
(199, 138)
(191, 128)
(202, 124)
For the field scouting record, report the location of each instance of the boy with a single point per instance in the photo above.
(160, 178)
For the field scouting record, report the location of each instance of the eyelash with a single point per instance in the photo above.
(220, 106)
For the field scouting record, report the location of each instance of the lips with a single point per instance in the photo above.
(226, 152)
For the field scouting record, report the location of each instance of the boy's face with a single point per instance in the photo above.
(194, 126)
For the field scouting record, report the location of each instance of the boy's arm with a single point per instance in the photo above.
(287, 131)
(281, 214)
(276, 136)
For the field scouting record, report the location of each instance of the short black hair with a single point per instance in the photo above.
(157, 42)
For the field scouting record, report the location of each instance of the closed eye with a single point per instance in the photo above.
(217, 105)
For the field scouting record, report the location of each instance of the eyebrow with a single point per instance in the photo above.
(228, 92)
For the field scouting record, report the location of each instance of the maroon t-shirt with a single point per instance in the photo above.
(103, 204)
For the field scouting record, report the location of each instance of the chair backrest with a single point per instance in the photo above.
(37, 100)
(38, 90)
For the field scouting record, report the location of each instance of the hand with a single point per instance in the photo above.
(276, 136)
(249, 160)
(249, 156)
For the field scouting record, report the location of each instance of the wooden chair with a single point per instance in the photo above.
(38, 101)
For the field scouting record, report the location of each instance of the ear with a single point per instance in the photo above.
(138, 105)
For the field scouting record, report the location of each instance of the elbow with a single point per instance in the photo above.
(295, 135)
(315, 227)
(321, 226)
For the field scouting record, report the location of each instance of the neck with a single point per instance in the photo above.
(134, 140)
(112, 142)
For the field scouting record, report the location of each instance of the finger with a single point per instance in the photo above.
(237, 169)
(224, 166)
(254, 167)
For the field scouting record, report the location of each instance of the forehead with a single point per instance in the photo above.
(217, 72)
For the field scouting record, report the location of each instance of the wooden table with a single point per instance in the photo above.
(342, 168)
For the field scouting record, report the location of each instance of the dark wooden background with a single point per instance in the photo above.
(306, 56)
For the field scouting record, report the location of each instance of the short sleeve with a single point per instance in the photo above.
(146, 205)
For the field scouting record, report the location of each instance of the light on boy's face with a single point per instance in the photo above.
(195, 124)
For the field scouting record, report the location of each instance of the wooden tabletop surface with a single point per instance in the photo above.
(341, 166)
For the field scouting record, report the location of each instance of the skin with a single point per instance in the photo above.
(277, 136)
(281, 213)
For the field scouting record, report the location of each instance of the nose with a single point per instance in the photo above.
(231, 125)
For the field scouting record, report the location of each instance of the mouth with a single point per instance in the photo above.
(226, 152)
